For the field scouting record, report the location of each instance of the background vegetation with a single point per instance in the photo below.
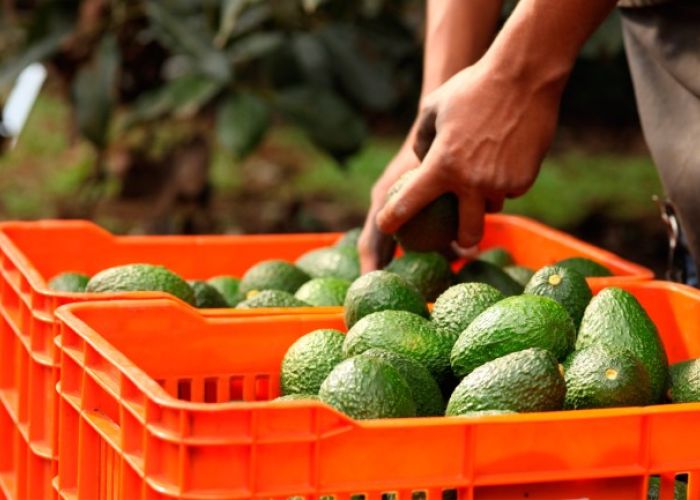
(277, 115)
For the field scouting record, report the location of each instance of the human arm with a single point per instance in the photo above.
(458, 32)
(484, 133)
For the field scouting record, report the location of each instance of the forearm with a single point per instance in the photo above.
(457, 34)
(540, 42)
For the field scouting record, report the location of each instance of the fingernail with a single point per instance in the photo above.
(468, 252)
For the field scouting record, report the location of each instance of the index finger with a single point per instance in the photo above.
(375, 248)
(472, 207)
(413, 197)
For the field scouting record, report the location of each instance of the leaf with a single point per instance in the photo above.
(254, 46)
(368, 82)
(311, 5)
(37, 51)
(94, 92)
(312, 59)
(252, 18)
(372, 8)
(329, 121)
(230, 10)
(183, 97)
(181, 38)
(241, 123)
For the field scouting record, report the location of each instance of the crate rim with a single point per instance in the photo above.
(577, 244)
(636, 271)
(38, 283)
(159, 396)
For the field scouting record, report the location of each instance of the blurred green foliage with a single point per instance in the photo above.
(567, 191)
(334, 69)
(43, 170)
(325, 73)
(328, 67)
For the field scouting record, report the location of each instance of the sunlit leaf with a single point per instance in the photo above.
(182, 98)
(230, 11)
(257, 13)
(254, 46)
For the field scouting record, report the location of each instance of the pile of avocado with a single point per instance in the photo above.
(320, 277)
(220, 291)
(500, 338)
(492, 344)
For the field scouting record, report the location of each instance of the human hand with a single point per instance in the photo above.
(482, 135)
(375, 247)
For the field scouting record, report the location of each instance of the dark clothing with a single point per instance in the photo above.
(663, 49)
(640, 3)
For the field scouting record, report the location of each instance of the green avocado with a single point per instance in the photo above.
(424, 389)
(486, 413)
(684, 381)
(498, 256)
(350, 238)
(228, 287)
(523, 381)
(206, 296)
(140, 278)
(404, 333)
(324, 292)
(69, 282)
(271, 299)
(511, 325)
(381, 291)
(587, 267)
(432, 229)
(520, 274)
(297, 397)
(479, 271)
(601, 377)
(366, 387)
(455, 309)
(680, 489)
(273, 275)
(309, 360)
(336, 262)
(614, 318)
(566, 286)
(429, 272)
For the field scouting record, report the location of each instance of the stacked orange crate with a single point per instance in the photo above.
(157, 401)
(32, 252)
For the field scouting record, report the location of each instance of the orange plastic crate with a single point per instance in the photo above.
(159, 401)
(32, 252)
